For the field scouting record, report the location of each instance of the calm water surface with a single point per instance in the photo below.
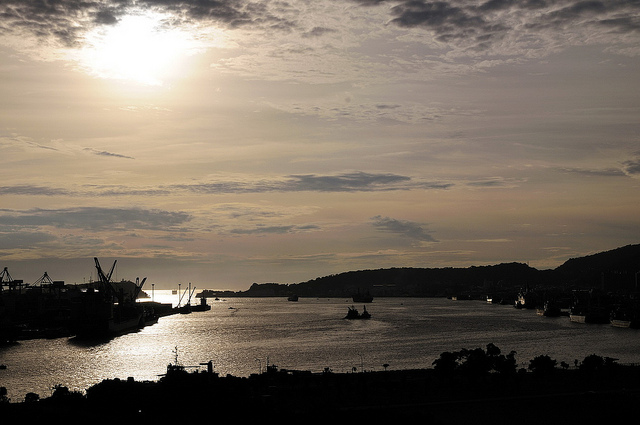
(242, 335)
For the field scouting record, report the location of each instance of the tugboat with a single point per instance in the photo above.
(353, 314)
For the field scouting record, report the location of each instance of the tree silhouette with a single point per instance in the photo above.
(542, 365)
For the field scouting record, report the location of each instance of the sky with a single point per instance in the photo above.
(227, 142)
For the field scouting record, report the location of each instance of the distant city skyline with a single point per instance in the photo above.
(227, 143)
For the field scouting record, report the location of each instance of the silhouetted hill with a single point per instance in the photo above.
(613, 269)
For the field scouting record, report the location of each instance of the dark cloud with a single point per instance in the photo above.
(105, 153)
(23, 239)
(446, 19)
(317, 32)
(494, 5)
(370, 2)
(49, 19)
(475, 24)
(402, 227)
(347, 182)
(33, 190)
(487, 183)
(605, 172)
(481, 24)
(357, 181)
(96, 219)
(632, 167)
(105, 17)
(68, 20)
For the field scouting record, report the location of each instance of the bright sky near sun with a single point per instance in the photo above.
(134, 49)
(226, 143)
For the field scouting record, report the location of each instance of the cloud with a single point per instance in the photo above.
(317, 32)
(475, 24)
(274, 229)
(357, 181)
(33, 190)
(105, 153)
(96, 219)
(402, 227)
(516, 27)
(68, 20)
(604, 172)
(488, 183)
(23, 239)
(632, 167)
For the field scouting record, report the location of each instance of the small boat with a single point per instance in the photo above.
(293, 297)
(353, 313)
(203, 306)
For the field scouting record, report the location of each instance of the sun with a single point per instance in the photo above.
(138, 48)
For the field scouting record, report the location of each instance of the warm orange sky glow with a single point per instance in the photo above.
(226, 143)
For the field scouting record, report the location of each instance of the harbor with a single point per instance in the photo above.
(243, 335)
(102, 308)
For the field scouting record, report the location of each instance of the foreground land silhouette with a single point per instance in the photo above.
(480, 385)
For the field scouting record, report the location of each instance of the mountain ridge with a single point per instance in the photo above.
(615, 269)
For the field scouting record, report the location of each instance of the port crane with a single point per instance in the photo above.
(107, 285)
(9, 282)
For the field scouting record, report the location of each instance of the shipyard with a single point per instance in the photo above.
(99, 309)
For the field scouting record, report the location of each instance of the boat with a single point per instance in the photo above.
(590, 307)
(353, 314)
(186, 308)
(293, 297)
(589, 315)
(362, 298)
(527, 298)
(203, 306)
(625, 317)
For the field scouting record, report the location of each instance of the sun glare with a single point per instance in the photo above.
(138, 48)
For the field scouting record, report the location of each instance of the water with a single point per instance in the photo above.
(242, 335)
